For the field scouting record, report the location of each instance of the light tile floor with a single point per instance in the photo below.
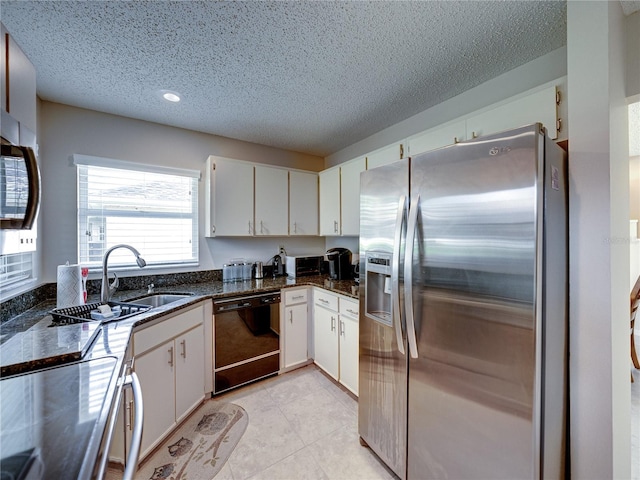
(301, 425)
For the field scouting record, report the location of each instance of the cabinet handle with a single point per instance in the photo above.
(352, 312)
(333, 323)
(171, 356)
(184, 348)
(249, 227)
(129, 414)
(323, 300)
(291, 316)
(295, 227)
(455, 140)
(261, 228)
(474, 135)
(341, 332)
(296, 297)
(335, 226)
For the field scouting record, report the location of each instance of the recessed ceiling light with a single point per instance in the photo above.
(170, 96)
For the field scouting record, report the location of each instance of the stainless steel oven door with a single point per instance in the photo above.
(247, 339)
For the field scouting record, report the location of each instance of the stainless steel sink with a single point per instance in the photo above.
(159, 299)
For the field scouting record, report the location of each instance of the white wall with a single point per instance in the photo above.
(634, 187)
(599, 256)
(537, 72)
(65, 130)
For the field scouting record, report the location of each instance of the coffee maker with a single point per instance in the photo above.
(340, 263)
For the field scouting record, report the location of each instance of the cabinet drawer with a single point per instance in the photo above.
(326, 299)
(173, 326)
(349, 307)
(292, 297)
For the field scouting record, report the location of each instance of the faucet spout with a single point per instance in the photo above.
(108, 290)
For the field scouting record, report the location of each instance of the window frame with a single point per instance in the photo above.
(83, 165)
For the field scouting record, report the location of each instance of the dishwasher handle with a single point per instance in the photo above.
(136, 436)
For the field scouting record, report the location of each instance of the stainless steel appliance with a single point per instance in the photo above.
(340, 267)
(19, 188)
(303, 265)
(463, 316)
(247, 339)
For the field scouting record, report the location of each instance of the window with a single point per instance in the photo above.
(154, 209)
(15, 269)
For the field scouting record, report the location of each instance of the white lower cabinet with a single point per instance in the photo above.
(169, 359)
(336, 337)
(349, 333)
(325, 339)
(294, 330)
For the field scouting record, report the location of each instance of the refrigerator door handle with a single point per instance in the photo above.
(408, 276)
(395, 273)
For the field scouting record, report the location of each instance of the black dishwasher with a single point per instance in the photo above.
(247, 339)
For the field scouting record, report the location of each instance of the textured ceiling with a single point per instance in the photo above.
(308, 76)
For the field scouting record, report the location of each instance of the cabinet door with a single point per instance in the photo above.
(325, 340)
(189, 370)
(272, 201)
(230, 202)
(155, 370)
(295, 334)
(350, 195)
(384, 156)
(540, 107)
(20, 84)
(349, 341)
(437, 138)
(330, 201)
(303, 203)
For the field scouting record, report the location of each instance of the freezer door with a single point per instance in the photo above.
(382, 404)
(472, 386)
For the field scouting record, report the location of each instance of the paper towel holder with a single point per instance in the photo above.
(107, 290)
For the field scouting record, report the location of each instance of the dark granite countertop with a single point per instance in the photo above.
(28, 343)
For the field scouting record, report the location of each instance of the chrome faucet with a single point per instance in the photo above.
(107, 290)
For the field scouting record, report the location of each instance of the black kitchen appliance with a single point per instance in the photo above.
(340, 263)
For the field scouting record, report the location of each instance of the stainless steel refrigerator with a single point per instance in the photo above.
(463, 310)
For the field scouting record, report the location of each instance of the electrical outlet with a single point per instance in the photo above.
(282, 250)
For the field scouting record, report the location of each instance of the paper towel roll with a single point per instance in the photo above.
(70, 290)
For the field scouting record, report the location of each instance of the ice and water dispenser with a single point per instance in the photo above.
(378, 287)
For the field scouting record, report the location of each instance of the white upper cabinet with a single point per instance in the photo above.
(350, 195)
(540, 106)
(229, 207)
(438, 137)
(386, 155)
(330, 201)
(303, 203)
(18, 83)
(248, 199)
(271, 201)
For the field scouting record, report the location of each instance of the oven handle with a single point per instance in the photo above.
(136, 436)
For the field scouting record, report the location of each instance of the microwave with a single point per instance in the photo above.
(303, 265)
(19, 188)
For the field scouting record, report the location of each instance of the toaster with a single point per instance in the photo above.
(303, 265)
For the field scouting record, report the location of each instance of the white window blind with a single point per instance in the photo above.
(154, 209)
(15, 268)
